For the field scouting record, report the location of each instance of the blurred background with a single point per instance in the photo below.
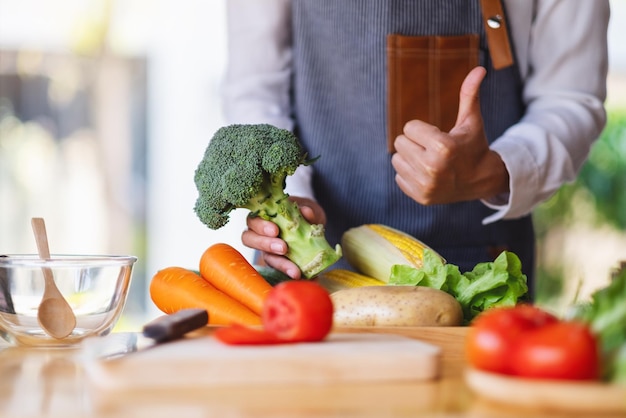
(106, 107)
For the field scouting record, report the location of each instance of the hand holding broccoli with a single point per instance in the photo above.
(263, 235)
(245, 166)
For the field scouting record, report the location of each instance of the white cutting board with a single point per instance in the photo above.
(205, 362)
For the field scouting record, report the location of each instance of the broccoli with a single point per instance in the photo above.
(245, 166)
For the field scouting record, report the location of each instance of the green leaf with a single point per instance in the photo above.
(403, 275)
(617, 371)
(497, 283)
(606, 314)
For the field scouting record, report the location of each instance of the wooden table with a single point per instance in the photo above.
(51, 383)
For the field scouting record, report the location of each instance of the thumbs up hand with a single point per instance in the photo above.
(435, 167)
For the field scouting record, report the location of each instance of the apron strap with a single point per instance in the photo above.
(497, 33)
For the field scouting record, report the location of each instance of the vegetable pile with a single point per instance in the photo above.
(392, 264)
(395, 258)
(238, 297)
(227, 286)
(294, 312)
(245, 166)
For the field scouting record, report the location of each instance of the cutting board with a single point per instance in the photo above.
(205, 362)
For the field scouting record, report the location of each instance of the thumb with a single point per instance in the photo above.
(469, 103)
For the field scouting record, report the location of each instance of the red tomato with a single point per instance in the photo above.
(493, 335)
(562, 350)
(242, 335)
(298, 311)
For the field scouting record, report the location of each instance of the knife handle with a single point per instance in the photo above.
(173, 326)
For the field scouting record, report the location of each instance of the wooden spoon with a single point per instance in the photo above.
(55, 315)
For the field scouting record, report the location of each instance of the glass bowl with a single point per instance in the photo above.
(95, 286)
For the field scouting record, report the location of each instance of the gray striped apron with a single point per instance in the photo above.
(339, 101)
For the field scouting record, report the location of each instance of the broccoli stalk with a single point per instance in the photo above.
(246, 166)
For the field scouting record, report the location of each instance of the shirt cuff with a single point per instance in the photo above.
(501, 204)
(522, 182)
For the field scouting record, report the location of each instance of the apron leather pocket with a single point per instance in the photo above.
(424, 76)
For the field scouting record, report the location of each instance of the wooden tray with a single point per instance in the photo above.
(572, 396)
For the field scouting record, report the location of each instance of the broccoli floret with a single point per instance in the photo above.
(246, 166)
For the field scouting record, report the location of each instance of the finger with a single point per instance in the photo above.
(282, 264)
(262, 227)
(309, 214)
(469, 102)
(413, 160)
(407, 146)
(414, 183)
(412, 189)
(311, 211)
(418, 132)
(407, 168)
(251, 239)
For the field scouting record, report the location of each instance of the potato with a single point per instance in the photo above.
(410, 306)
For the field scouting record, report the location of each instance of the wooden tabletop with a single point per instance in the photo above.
(36, 382)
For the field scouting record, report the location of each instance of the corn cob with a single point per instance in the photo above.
(338, 279)
(372, 249)
(411, 248)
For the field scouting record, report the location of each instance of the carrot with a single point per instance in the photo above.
(176, 288)
(229, 271)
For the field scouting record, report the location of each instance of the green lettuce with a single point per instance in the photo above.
(606, 315)
(497, 283)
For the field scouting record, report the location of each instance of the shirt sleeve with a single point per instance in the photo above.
(565, 65)
(258, 71)
(258, 74)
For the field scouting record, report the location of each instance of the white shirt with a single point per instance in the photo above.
(560, 50)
